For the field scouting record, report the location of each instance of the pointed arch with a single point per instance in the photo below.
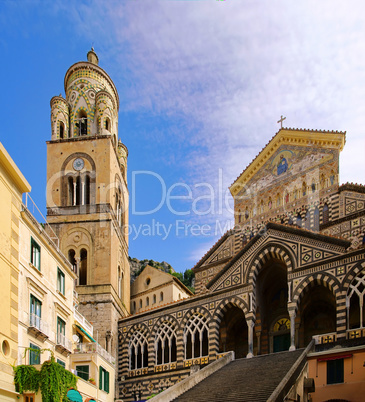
(266, 253)
(165, 343)
(223, 305)
(189, 313)
(138, 349)
(325, 279)
(196, 336)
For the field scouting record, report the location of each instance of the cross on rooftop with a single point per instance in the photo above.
(281, 120)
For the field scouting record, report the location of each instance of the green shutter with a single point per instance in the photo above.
(107, 381)
(100, 377)
(34, 356)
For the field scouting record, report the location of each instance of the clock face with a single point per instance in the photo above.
(78, 164)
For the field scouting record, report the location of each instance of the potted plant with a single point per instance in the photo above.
(92, 381)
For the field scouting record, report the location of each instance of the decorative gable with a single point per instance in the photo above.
(224, 251)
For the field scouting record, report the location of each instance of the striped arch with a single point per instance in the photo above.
(160, 321)
(325, 279)
(61, 116)
(354, 271)
(268, 252)
(137, 327)
(195, 310)
(172, 325)
(223, 306)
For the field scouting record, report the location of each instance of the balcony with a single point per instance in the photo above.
(94, 347)
(63, 344)
(325, 338)
(37, 327)
(355, 333)
(83, 322)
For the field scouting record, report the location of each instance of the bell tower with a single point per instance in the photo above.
(87, 195)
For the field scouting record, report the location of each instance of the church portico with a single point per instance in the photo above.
(273, 287)
(283, 298)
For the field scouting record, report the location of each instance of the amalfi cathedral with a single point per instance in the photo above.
(277, 312)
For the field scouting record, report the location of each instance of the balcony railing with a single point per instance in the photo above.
(37, 322)
(83, 322)
(325, 338)
(94, 347)
(64, 343)
(355, 333)
(38, 327)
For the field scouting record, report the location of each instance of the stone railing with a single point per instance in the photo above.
(325, 338)
(38, 324)
(94, 347)
(64, 342)
(83, 322)
(355, 333)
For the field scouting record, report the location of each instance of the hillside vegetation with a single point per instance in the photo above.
(137, 266)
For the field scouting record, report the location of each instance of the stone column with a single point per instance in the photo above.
(292, 329)
(108, 338)
(250, 324)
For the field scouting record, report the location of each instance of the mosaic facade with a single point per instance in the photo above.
(289, 271)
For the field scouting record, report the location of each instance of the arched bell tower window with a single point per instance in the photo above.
(107, 124)
(87, 190)
(62, 130)
(70, 184)
(72, 259)
(81, 123)
(78, 190)
(83, 267)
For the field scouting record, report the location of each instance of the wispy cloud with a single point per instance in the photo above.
(232, 68)
(226, 71)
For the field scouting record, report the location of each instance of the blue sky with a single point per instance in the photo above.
(201, 86)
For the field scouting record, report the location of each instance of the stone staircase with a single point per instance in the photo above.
(244, 379)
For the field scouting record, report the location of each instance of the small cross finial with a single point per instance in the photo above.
(281, 120)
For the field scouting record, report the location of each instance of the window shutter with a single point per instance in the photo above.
(107, 382)
(100, 377)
